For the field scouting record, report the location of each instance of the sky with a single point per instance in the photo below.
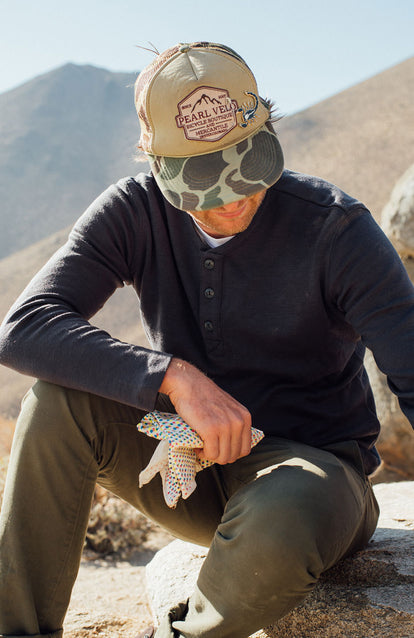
(301, 51)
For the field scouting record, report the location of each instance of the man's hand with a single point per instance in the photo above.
(221, 421)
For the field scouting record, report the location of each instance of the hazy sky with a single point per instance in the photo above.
(301, 51)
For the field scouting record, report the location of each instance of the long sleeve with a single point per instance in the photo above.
(296, 297)
(47, 333)
(369, 284)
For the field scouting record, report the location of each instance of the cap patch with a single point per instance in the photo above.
(248, 109)
(207, 114)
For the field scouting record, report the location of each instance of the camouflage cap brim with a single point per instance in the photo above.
(215, 179)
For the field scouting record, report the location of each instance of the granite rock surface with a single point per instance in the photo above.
(368, 595)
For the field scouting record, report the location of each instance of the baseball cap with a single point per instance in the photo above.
(205, 130)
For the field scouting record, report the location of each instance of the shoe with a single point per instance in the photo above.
(147, 633)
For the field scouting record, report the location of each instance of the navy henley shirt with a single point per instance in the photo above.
(279, 316)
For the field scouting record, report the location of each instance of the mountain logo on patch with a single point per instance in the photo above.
(207, 114)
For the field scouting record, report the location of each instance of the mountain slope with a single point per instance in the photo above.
(64, 137)
(361, 139)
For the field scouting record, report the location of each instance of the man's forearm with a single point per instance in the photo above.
(223, 423)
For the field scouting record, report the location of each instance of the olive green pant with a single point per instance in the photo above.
(274, 520)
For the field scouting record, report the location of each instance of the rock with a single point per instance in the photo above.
(172, 575)
(397, 217)
(368, 595)
(396, 441)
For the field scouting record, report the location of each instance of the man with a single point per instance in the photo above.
(259, 289)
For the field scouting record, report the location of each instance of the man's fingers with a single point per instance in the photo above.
(211, 450)
(246, 441)
(241, 444)
(236, 442)
(241, 435)
(229, 443)
(223, 449)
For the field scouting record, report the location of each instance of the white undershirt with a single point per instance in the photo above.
(213, 242)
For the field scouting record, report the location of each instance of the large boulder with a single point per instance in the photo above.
(368, 595)
(397, 218)
(396, 441)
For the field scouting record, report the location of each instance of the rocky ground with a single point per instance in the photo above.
(109, 598)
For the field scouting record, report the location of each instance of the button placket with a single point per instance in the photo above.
(209, 296)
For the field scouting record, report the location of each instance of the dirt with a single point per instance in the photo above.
(109, 597)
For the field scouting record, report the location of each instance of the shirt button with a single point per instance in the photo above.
(208, 325)
(209, 264)
(209, 293)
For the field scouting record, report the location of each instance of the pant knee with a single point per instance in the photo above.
(39, 409)
(47, 399)
(271, 554)
(279, 532)
(48, 425)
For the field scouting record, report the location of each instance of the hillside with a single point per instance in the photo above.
(64, 136)
(361, 139)
(67, 134)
